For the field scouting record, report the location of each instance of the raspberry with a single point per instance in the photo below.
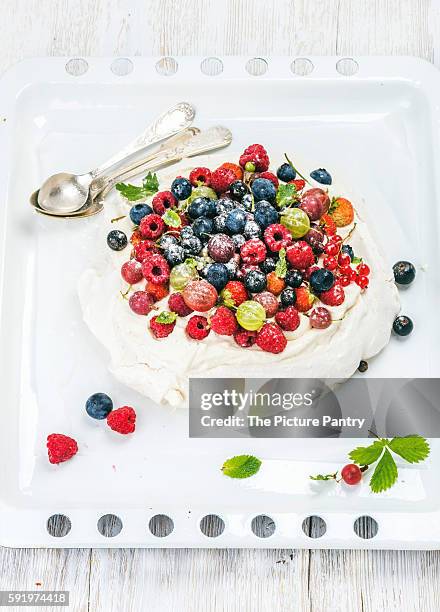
(299, 184)
(152, 227)
(161, 330)
(122, 420)
(197, 327)
(288, 319)
(304, 299)
(60, 448)
(270, 177)
(162, 201)
(221, 179)
(277, 237)
(275, 284)
(257, 156)
(235, 169)
(270, 338)
(253, 251)
(176, 304)
(223, 322)
(158, 292)
(334, 296)
(156, 270)
(300, 255)
(131, 272)
(234, 293)
(143, 250)
(141, 302)
(328, 225)
(245, 338)
(200, 176)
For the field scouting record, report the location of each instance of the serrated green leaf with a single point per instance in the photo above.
(286, 195)
(385, 473)
(241, 466)
(324, 476)
(150, 186)
(356, 260)
(281, 267)
(413, 448)
(366, 455)
(166, 317)
(171, 218)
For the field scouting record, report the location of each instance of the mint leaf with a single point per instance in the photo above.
(281, 267)
(385, 474)
(241, 466)
(150, 185)
(356, 260)
(286, 195)
(171, 218)
(166, 317)
(412, 448)
(366, 455)
(324, 477)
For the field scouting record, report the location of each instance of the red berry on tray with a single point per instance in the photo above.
(198, 327)
(253, 251)
(122, 420)
(234, 293)
(131, 272)
(256, 159)
(235, 169)
(270, 177)
(362, 281)
(320, 318)
(363, 269)
(268, 301)
(145, 249)
(271, 339)
(344, 259)
(60, 448)
(334, 296)
(344, 280)
(330, 262)
(328, 225)
(223, 322)
(221, 248)
(221, 179)
(275, 284)
(351, 474)
(157, 291)
(288, 319)
(161, 330)
(277, 237)
(245, 338)
(176, 304)
(152, 227)
(156, 270)
(300, 255)
(200, 176)
(304, 299)
(331, 248)
(200, 295)
(162, 201)
(141, 302)
(299, 184)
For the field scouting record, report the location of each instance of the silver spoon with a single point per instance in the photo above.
(204, 142)
(66, 193)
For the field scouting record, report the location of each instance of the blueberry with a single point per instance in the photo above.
(404, 272)
(286, 173)
(192, 245)
(224, 205)
(255, 281)
(186, 232)
(202, 228)
(321, 280)
(265, 214)
(176, 254)
(139, 211)
(211, 209)
(346, 248)
(99, 406)
(167, 240)
(117, 240)
(217, 275)
(232, 266)
(268, 265)
(263, 189)
(238, 190)
(403, 325)
(293, 279)
(288, 297)
(252, 230)
(181, 188)
(236, 220)
(238, 240)
(321, 176)
(198, 208)
(247, 202)
(220, 223)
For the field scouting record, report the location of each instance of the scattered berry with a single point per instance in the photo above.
(403, 325)
(162, 201)
(99, 405)
(141, 302)
(238, 190)
(346, 248)
(334, 296)
(300, 255)
(200, 176)
(138, 212)
(404, 272)
(265, 214)
(131, 272)
(251, 230)
(255, 155)
(320, 318)
(288, 319)
(270, 177)
(202, 207)
(251, 315)
(321, 176)
(176, 304)
(158, 292)
(270, 338)
(263, 189)
(362, 281)
(117, 240)
(200, 295)
(299, 184)
(221, 248)
(223, 322)
(60, 448)
(363, 269)
(351, 474)
(268, 265)
(321, 280)
(255, 281)
(156, 270)
(288, 297)
(277, 237)
(203, 228)
(275, 284)
(328, 225)
(234, 293)
(161, 330)
(304, 299)
(145, 249)
(286, 173)
(269, 303)
(294, 279)
(181, 188)
(235, 169)
(245, 338)
(330, 262)
(341, 211)
(253, 251)
(152, 227)
(221, 179)
(363, 366)
(176, 254)
(235, 221)
(217, 275)
(197, 327)
(122, 420)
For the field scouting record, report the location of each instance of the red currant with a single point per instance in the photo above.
(335, 239)
(363, 269)
(344, 280)
(330, 263)
(344, 259)
(331, 248)
(351, 474)
(362, 281)
(346, 271)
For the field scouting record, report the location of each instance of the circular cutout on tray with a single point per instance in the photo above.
(212, 526)
(211, 66)
(121, 66)
(347, 66)
(77, 66)
(366, 527)
(263, 526)
(257, 66)
(302, 66)
(161, 525)
(109, 525)
(167, 66)
(314, 526)
(58, 525)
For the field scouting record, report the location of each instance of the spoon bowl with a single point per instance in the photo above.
(64, 192)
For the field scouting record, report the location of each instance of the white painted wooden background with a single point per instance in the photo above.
(224, 580)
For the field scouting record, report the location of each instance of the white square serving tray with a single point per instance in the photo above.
(375, 122)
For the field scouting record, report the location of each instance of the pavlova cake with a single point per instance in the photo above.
(230, 269)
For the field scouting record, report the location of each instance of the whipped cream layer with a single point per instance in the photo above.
(160, 368)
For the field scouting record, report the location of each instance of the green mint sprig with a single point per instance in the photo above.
(241, 466)
(166, 317)
(281, 266)
(287, 195)
(150, 185)
(171, 218)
